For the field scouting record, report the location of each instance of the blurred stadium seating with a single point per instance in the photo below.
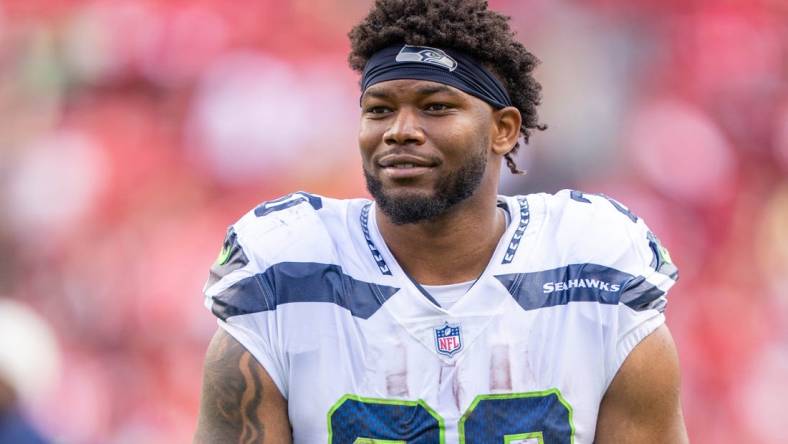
(133, 133)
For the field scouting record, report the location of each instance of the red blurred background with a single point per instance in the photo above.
(134, 132)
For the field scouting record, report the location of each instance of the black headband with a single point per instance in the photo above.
(449, 67)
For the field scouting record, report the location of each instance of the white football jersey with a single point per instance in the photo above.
(364, 355)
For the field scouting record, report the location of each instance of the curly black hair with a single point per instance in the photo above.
(463, 25)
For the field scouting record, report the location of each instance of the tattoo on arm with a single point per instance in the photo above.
(232, 395)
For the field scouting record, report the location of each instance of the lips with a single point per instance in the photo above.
(408, 167)
(403, 161)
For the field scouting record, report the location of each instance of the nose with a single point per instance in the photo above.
(405, 129)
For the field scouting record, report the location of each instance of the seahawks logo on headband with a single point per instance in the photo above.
(425, 54)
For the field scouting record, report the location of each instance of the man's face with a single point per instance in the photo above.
(424, 147)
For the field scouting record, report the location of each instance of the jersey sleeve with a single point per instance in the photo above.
(643, 297)
(607, 234)
(236, 295)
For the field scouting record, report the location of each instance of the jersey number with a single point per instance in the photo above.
(288, 201)
(578, 196)
(533, 418)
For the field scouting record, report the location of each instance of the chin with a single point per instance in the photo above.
(396, 192)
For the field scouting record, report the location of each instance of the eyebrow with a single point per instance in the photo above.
(376, 94)
(435, 89)
(423, 91)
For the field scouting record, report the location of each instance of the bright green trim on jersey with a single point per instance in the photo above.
(665, 254)
(420, 402)
(508, 439)
(224, 255)
(376, 441)
(539, 394)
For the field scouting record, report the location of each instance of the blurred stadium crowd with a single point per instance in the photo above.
(134, 132)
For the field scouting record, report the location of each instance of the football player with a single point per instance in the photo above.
(440, 311)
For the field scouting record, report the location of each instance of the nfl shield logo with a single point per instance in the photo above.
(448, 340)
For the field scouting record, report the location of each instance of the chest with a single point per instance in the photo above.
(512, 373)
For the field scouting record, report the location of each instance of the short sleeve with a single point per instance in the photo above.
(643, 297)
(236, 295)
(605, 233)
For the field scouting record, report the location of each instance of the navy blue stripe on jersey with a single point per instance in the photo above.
(364, 218)
(514, 242)
(640, 294)
(579, 283)
(243, 297)
(289, 282)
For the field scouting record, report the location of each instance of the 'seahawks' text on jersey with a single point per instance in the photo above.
(364, 354)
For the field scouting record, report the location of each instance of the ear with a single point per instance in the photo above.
(506, 129)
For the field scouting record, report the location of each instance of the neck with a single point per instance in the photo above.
(455, 247)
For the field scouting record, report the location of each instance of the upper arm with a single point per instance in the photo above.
(240, 402)
(642, 403)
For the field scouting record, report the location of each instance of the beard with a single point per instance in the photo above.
(449, 191)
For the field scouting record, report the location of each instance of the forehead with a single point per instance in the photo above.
(405, 88)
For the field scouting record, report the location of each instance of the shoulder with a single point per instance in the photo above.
(299, 210)
(283, 244)
(296, 227)
(596, 228)
(582, 246)
(579, 214)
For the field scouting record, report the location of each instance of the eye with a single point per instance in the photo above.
(377, 110)
(437, 107)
